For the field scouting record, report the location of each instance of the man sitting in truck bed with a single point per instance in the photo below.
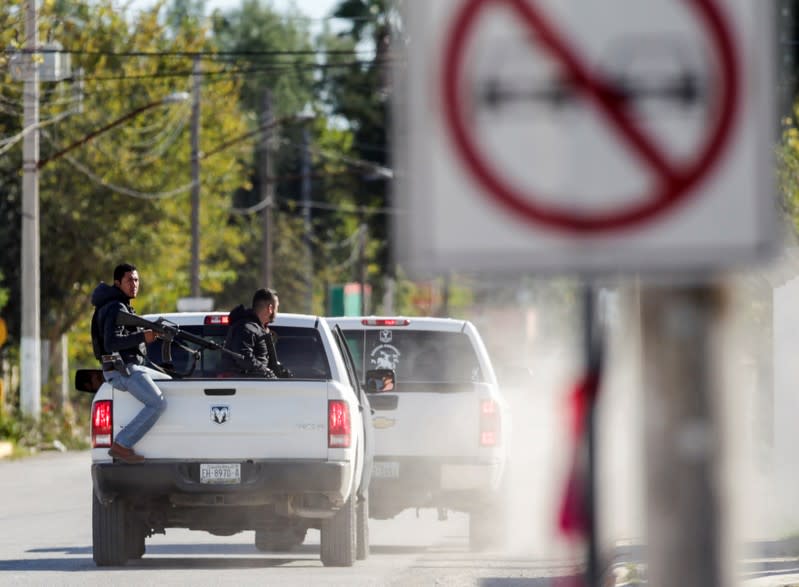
(250, 337)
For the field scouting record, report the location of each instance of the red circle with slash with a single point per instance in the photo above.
(674, 184)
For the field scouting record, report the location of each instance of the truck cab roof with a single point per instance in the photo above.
(200, 318)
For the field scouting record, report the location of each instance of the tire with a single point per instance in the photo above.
(362, 529)
(137, 533)
(279, 541)
(486, 529)
(338, 537)
(109, 526)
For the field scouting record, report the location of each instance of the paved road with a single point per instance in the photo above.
(45, 516)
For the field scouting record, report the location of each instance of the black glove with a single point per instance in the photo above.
(283, 372)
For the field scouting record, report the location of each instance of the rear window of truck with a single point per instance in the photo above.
(299, 349)
(421, 356)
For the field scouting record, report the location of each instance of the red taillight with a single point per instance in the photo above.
(223, 319)
(338, 424)
(489, 423)
(385, 322)
(102, 423)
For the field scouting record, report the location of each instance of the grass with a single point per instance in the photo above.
(55, 430)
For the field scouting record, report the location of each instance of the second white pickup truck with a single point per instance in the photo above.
(278, 456)
(442, 426)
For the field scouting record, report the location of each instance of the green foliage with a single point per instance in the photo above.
(3, 293)
(360, 94)
(259, 34)
(788, 170)
(55, 428)
(124, 195)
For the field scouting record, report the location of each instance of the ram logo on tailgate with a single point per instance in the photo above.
(220, 414)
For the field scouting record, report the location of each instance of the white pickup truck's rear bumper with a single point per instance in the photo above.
(262, 482)
(458, 483)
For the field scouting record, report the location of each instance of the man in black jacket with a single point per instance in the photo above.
(122, 352)
(250, 337)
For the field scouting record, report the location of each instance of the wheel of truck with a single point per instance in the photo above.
(486, 529)
(279, 541)
(362, 528)
(338, 537)
(109, 542)
(137, 532)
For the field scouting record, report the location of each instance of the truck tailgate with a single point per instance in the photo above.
(441, 422)
(233, 419)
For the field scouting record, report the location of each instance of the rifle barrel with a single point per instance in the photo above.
(125, 319)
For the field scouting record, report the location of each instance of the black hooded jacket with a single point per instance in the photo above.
(107, 337)
(248, 337)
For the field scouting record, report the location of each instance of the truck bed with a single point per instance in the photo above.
(233, 419)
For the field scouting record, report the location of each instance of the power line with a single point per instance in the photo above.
(125, 191)
(209, 54)
(295, 67)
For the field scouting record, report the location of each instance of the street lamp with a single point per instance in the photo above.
(30, 355)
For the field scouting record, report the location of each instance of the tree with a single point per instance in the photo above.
(276, 52)
(123, 196)
(358, 90)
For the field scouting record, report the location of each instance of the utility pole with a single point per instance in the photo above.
(30, 388)
(306, 216)
(266, 189)
(362, 264)
(195, 181)
(681, 340)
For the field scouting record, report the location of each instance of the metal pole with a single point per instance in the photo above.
(30, 351)
(681, 440)
(362, 264)
(593, 360)
(306, 217)
(195, 182)
(266, 188)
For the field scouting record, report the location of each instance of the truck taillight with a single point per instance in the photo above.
(102, 423)
(223, 320)
(385, 321)
(489, 423)
(338, 424)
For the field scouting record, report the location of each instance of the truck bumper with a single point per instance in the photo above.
(454, 483)
(261, 482)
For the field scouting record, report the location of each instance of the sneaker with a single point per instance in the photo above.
(125, 454)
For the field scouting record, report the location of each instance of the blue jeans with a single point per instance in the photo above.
(140, 385)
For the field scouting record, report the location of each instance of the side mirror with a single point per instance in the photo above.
(88, 380)
(380, 380)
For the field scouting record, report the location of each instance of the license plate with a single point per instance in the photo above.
(222, 474)
(385, 469)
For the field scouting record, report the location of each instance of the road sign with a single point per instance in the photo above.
(552, 134)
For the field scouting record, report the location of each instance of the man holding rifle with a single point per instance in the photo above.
(250, 337)
(121, 350)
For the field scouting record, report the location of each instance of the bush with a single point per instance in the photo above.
(54, 428)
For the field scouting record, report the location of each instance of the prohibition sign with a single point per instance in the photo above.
(673, 184)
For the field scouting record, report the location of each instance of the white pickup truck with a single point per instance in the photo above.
(230, 454)
(442, 428)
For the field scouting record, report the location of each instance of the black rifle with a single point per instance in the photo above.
(169, 332)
